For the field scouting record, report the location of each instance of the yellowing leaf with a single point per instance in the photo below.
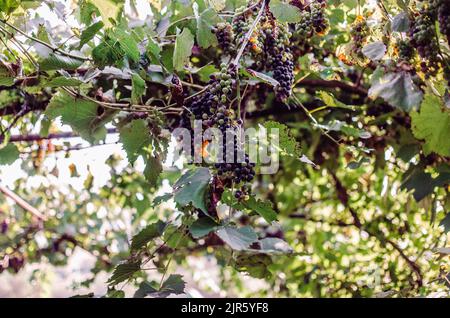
(108, 9)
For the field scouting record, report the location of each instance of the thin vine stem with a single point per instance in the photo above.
(51, 47)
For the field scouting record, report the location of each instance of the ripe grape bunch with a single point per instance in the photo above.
(359, 34)
(318, 17)
(424, 39)
(280, 61)
(213, 108)
(225, 37)
(443, 12)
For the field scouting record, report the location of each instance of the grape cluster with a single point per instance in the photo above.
(225, 36)
(423, 38)
(213, 108)
(443, 13)
(359, 34)
(313, 21)
(235, 171)
(280, 61)
(318, 17)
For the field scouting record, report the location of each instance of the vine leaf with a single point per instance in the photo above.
(124, 271)
(237, 238)
(205, 21)
(202, 227)
(145, 289)
(288, 143)
(138, 88)
(134, 137)
(63, 81)
(263, 208)
(6, 81)
(9, 6)
(8, 154)
(422, 182)
(432, 124)
(162, 198)
(349, 130)
(89, 33)
(397, 89)
(375, 50)
(400, 23)
(285, 12)
(58, 62)
(149, 233)
(192, 187)
(256, 265)
(153, 49)
(174, 284)
(183, 49)
(332, 101)
(153, 168)
(108, 10)
(107, 52)
(127, 43)
(81, 115)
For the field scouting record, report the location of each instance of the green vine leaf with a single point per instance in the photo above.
(205, 21)
(82, 115)
(135, 136)
(285, 12)
(123, 272)
(432, 124)
(262, 208)
(8, 154)
(237, 238)
(397, 89)
(153, 168)
(89, 33)
(183, 49)
(62, 81)
(57, 62)
(148, 234)
(192, 188)
(108, 10)
(288, 143)
(202, 227)
(138, 88)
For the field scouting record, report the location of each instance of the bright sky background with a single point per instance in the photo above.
(90, 159)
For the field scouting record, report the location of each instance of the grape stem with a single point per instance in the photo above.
(51, 47)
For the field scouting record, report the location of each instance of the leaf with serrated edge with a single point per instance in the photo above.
(123, 272)
(134, 137)
(432, 124)
(147, 234)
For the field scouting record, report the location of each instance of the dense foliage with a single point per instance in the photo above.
(357, 89)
